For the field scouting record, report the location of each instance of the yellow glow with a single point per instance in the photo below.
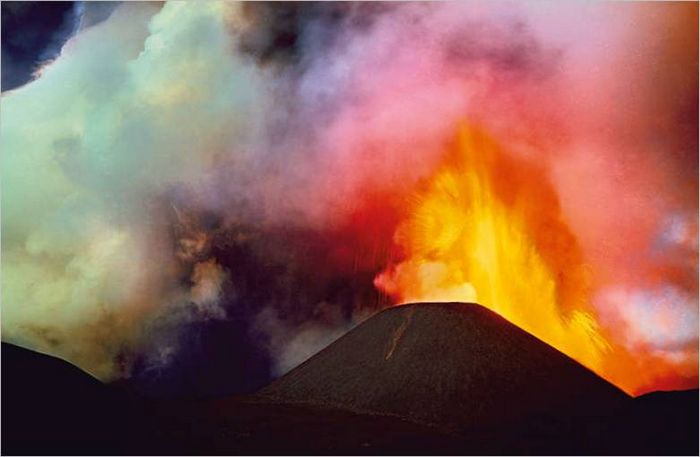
(470, 238)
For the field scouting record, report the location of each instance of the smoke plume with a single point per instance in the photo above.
(197, 197)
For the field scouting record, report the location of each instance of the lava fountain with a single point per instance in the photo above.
(487, 228)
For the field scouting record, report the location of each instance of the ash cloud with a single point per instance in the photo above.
(197, 197)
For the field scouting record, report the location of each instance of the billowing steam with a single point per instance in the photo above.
(199, 196)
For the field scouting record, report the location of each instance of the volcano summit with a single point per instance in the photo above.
(450, 364)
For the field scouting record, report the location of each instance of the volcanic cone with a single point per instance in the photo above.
(451, 364)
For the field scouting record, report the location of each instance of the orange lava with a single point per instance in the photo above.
(487, 228)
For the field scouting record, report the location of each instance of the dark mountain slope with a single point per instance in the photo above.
(659, 423)
(52, 407)
(451, 364)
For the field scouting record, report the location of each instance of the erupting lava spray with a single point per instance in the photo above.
(487, 229)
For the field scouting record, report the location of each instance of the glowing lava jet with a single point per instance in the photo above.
(487, 228)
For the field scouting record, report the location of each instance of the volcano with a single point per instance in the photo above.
(455, 365)
(433, 378)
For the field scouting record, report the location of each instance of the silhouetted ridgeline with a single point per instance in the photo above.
(416, 379)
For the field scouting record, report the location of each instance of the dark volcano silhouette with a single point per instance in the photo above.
(50, 406)
(450, 364)
(417, 379)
